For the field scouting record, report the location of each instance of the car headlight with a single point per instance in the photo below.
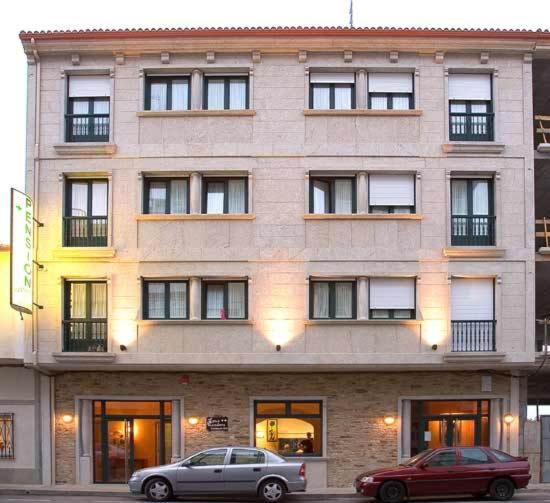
(367, 480)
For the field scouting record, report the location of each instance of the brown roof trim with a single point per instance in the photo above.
(100, 34)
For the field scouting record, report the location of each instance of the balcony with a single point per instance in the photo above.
(473, 336)
(84, 231)
(471, 126)
(85, 336)
(472, 230)
(87, 127)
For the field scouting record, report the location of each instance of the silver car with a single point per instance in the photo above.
(223, 471)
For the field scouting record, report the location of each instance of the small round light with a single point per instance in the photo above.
(508, 418)
(67, 418)
(193, 421)
(389, 420)
(260, 434)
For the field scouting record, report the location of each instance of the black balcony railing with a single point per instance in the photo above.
(472, 230)
(87, 127)
(471, 126)
(85, 231)
(85, 335)
(473, 335)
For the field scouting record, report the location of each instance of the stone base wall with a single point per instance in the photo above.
(357, 437)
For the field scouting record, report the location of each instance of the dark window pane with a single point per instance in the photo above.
(247, 457)
(473, 456)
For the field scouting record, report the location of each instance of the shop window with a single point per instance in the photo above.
(295, 430)
(6, 436)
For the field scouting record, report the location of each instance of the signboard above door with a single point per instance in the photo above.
(217, 423)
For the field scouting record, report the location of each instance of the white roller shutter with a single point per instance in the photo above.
(332, 78)
(470, 86)
(387, 82)
(472, 299)
(391, 190)
(392, 293)
(89, 86)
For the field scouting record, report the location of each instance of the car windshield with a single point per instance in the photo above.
(415, 459)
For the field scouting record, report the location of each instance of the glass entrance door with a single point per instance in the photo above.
(120, 448)
(450, 432)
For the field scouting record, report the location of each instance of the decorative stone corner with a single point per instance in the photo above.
(210, 57)
(165, 58)
(543, 148)
(84, 253)
(75, 59)
(473, 357)
(473, 252)
(87, 357)
(302, 56)
(473, 147)
(256, 56)
(439, 57)
(90, 148)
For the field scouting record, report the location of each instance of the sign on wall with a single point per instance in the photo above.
(217, 423)
(21, 256)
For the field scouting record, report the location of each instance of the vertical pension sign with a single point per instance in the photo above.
(21, 256)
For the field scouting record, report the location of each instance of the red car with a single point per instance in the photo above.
(447, 471)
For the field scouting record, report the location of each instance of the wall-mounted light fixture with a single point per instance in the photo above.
(123, 347)
(67, 418)
(193, 420)
(434, 347)
(389, 420)
(508, 418)
(260, 434)
(278, 347)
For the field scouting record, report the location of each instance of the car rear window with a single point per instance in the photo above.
(502, 456)
(473, 456)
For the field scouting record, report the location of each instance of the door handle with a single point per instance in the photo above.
(256, 469)
(218, 470)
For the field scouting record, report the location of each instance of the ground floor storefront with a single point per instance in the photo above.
(108, 424)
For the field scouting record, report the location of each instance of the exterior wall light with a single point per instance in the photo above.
(389, 420)
(508, 419)
(67, 418)
(123, 347)
(278, 347)
(434, 347)
(260, 434)
(193, 420)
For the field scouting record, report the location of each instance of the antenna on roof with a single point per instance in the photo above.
(351, 13)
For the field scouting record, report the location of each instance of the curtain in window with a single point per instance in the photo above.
(180, 94)
(400, 102)
(237, 94)
(81, 107)
(343, 301)
(459, 197)
(320, 197)
(155, 300)
(342, 196)
(99, 199)
(158, 96)
(379, 103)
(215, 94)
(214, 302)
(178, 300)
(236, 196)
(101, 107)
(458, 108)
(178, 196)
(214, 197)
(79, 199)
(320, 300)
(480, 197)
(99, 300)
(78, 300)
(235, 300)
(342, 97)
(479, 108)
(321, 97)
(157, 197)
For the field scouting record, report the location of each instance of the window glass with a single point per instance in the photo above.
(343, 293)
(237, 94)
(247, 457)
(178, 300)
(236, 195)
(236, 300)
(342, 97)
(101, 107)
(180, 94)
(216, 94)
(439, 407)
(445, 458)
(400, 102)
(158, 95)
(81, 107)
(178, 196)
(99, 198)
(480, 197)
(78, 300)
(321, 97)
(270, 408)
(79, 199)
(502, 457)
(214, 302)
(321, 196)
(458, 107)
(320, 300)
(157, 197)
(290, 436)
(119, 408)
(473, 456)
(214, 197)
(210, 458)
(379, 103)
(305, 408)
(343, 193)
(99, 300)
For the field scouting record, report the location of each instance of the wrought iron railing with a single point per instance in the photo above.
(85, 335)
(472, 230)
(471, 126)
(473, 335)
(87, 127)
(85, 231)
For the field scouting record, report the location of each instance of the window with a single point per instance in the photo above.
(247, 457)
(88, 104)
(472, 314)
(473, 456)
(297, 430)
(85, 322)
(391, 194)
(332, 91)
(226, 93)
(470, 107)
(210, 458)
(445, 458)
(166, 195)
(165, 300)
(85, 220)
(225, 300)
(6, 436)
(332, 299)
(225, 195)
(167, 93)
(390, 91)
(332, 195)
(472, 218)
(502, 457)
(392, 298)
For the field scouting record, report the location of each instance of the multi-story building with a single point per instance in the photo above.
(305, 232)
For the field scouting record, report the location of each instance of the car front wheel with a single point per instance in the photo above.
(272, 491)
(158, 489)
(392, 492)
(502, 489)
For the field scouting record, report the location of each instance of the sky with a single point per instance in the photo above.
(68, 14)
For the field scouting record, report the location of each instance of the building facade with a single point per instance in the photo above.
(291, 233)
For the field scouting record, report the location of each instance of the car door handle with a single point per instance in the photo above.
(256, 469)
(218, 470)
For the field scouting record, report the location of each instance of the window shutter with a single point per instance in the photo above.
(391, 190)
(332, 78)
(472, 299)
(392, 293)
(387, 82)
(470, 86)
(89, 86)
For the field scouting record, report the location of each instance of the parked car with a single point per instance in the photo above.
(223, 471)
(447, 471)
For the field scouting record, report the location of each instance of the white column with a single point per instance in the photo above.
(361, 89)
(196, 90)
(362, 193)
(513, 428)
(176, 433)
(496, 424)
(195, 183)
(405, 422)
(84, 423)
(362, 299)
(194, 298)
